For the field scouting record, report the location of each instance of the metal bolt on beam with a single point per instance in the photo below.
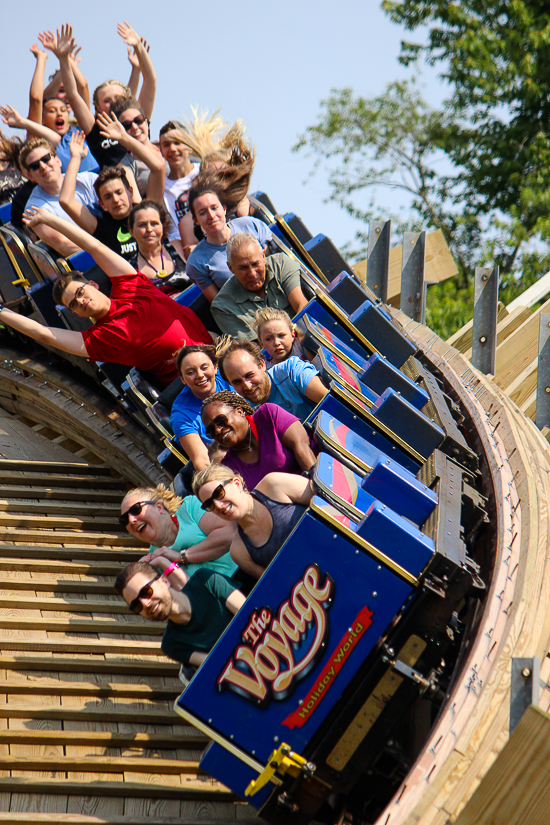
(484, 331)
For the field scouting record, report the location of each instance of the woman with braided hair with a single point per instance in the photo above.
(182, 537)
(257, 443)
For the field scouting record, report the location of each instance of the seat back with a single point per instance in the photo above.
(44, 261)
(27, 267)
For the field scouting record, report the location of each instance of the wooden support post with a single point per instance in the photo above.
(542, 415)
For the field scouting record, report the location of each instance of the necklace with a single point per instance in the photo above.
(161, 273)
(248, 448)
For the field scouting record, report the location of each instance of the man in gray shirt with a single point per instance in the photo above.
(257, 282)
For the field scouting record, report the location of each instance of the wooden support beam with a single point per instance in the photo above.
(63, 664)
(203, 789)
(516, 789)
(114, 690)
(104, 739)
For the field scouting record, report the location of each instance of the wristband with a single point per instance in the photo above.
(183, 556)
(171, 568)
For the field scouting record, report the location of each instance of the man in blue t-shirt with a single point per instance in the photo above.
(196, 615)
(293, 384)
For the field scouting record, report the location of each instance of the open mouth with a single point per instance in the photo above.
(141, 527)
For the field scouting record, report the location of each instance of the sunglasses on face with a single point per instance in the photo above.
(218, 422)
(134, 510)
(217, 495)
(145, 593)
(35, 165)
(137, 121)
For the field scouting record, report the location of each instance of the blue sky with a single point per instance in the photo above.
(269, 64)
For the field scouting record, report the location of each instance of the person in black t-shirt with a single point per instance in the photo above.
(115, 197)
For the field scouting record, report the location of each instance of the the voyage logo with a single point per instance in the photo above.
(265, 666)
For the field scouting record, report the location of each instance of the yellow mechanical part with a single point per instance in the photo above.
(281, 761)
(22, 282)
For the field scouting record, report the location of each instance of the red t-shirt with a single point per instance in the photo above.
(143, 328)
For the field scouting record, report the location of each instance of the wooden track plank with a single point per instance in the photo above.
(21, 534)
(113, 627)
(118, 713)
(97, 567)
(196, 789)
(59, 522)
(56, 585)
(64, 508)
(56, 687)
(99, 764)
(74, 605)
(59, 493)
(104, 739)
(129, 667)
(29, 479)
(76, 645)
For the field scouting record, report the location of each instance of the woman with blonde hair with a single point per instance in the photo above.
(265, 517)
(182, 536)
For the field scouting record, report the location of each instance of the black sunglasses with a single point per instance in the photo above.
(219, 421)
(137, 121)
(145, 593)
(35, 165)
(134, 510)
(217, 495)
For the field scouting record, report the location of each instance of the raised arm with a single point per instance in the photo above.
(73, 207)
(36, 91)
(62, 46)
(81, 82)
(135, 74)
(12, 118)
(111, 263)
(63, 339)
(112, 128)
(286, 488)
(149, 86)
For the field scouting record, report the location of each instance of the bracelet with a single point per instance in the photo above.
(171, 568)
(183, 556)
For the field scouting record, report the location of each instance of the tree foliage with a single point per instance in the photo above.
(491, 196)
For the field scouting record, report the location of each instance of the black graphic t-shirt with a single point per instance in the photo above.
(114, 234)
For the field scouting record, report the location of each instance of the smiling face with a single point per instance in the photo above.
(48, 173)
(248, 266)
(107, 95)
(158, 606)
(147, 228)
(277, 338)
(55, 116)
(139, 131)
(115, 199)
(235, 503)
(229, 426)
(199, 374)
(247, 377)
(149, 525)
(209, 213)
(173, 150)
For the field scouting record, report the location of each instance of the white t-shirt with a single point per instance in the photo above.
(172, 190)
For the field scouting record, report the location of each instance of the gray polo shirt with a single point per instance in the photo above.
(234, 306)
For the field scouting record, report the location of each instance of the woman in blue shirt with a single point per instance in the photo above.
(198, 367)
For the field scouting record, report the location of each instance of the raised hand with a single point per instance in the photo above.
(77, 147)
(33, 216)
(130, 37)
(132, 56)
(110, 126)
(36, 50)
(75, 60)
(11, 117)
(48, 40)
(65, 41)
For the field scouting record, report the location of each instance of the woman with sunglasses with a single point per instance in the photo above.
(135, 124)
(267, 440)
(265, 517)
(178, 531)
(197, 365)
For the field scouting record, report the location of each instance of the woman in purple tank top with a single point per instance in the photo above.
(267, 440)
(265, 517)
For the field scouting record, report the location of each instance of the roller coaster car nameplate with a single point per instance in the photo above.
(289, 653)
